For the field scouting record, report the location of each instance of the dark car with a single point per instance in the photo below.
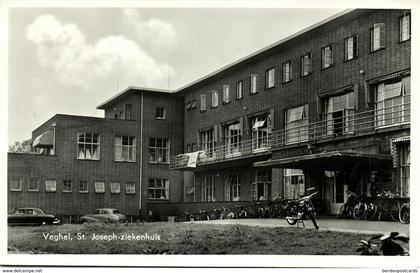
(107, 215)
(31, 216)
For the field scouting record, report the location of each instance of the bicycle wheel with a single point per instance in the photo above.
(405, 214)
(395, 212)
(359, 211)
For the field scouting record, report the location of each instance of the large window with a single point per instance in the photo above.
(160, 113)
(239, 90)
(405, 27)
(287, 71)
(203, 102)
(33, 184)
(130, 188)
(294, 183)
(233, 139)
(377, 37)
(115, 187)
(125, 148)
(339, 114)
(226, 93)
(159, 150)
(88, 146)
(16, 184)
(297, 124)
(306, 65)
(350, 48)
(83, 186)
(232, 187)
(99, 187)
(260, 128)
(254, 87)
(392, 102)
(208, 188)
(261, 185)
(327, 57)
(214, 98)
(208, 142)
(270, 78)
(67, 186)
(158, 188)
(50, 185)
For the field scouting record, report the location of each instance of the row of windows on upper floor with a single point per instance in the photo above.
(158, 188)
(351, 44)
(391, 107)
(160, 113)
(88, 148)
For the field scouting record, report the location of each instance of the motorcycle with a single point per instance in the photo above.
(300, 209)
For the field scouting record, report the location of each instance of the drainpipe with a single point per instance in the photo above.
(141, 153)
(54, 146)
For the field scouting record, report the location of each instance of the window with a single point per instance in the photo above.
(50, 185)
(232, 187)
(214, 98)
(83, 186)
(159, 150)
(226, 93)
(208, 142)
(208, 188)
(405, 27)
(160, 113)
(233, 139)
(127, 111)
(404, 168)
(33, 185)
(115, 187)
(297, 124)
(260, 130)
(339, 113)
(158, 188)
(294, 183)
(193, 148)
(306, 64)
(239, 90)
(67, 186)
(125, 148)
(392, 102)
(350, 48)
(287, 71)
(326, 57)
(130, 188)
(254, 88)
(16, 184)
(203, 102)
(189, 148)
(269, 78)
(377, 37)
(261, 185)
(88, 146)
(99, 187)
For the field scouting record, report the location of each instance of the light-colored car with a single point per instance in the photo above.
(105, 215)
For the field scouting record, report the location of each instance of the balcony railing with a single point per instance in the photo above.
(334, 128)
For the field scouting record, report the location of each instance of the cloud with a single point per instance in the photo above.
(156, 35)
(112, 59)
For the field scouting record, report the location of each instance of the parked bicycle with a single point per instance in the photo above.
(404, 214)
(347, 209)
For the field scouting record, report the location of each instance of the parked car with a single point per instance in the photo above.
(31, 216)
(106, 215)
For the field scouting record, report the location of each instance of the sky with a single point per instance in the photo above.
(70, 60)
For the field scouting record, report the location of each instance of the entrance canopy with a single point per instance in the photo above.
(335, 160)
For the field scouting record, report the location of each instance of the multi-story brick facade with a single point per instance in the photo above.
(326, 109)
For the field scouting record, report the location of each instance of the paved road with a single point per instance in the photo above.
(345, 225)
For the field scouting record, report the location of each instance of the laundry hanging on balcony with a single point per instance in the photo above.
(46, 139)
(258, 124)
(193, 158)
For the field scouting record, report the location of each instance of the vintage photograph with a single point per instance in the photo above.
(159, 130)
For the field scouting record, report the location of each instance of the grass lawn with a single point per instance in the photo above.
(181, 238)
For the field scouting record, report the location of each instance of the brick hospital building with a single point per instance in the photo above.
(327, 109)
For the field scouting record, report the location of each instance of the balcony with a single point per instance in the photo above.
(345, 126)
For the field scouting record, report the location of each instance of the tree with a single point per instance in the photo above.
(24, 146)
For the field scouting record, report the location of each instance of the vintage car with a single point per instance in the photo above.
(31, 216)
(106, 215)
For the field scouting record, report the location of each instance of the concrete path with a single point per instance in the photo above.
(344, 225)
